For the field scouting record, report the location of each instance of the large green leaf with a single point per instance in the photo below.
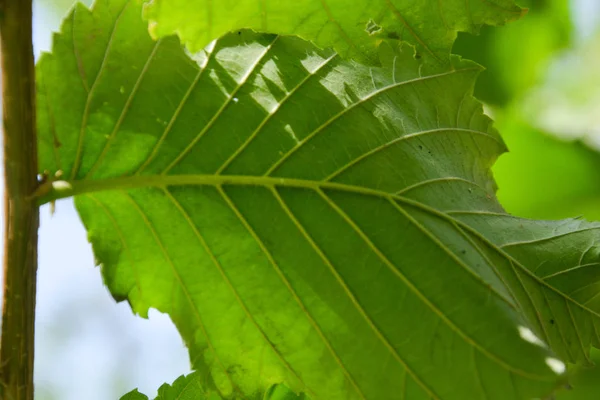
(309, 220)
(192, 387)
(353, 30)
(188, 387)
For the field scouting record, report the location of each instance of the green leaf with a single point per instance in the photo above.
(545, 177)
(308, 220)
(191, 387)
(184, 388)
(134, 395)
(513, 65)
(282, 392)
(553, 169)
(353, 31)
(585, 384)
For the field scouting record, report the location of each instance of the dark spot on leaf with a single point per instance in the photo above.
(552, 321)
(463, 252)
(239, 32)
(393, 35)
(418, 56)
(420, 147)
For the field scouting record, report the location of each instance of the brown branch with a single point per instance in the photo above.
(21, 212)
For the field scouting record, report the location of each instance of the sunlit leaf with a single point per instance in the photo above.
(184, 388)
(352, 29)
(134, 395)
(191, 387)
(309, 220)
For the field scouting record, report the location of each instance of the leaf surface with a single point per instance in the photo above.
(184, 388)
(309, 220)
(352, 30)
(134, 395)
(191, 387)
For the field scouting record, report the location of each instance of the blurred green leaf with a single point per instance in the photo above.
(544, 177)
(551, 170)
(517, 56)
(567, 103)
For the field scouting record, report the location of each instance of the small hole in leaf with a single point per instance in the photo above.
(372, 28)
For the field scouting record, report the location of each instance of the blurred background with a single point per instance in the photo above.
(542, 87)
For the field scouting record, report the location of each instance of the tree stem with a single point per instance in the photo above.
(21, 212)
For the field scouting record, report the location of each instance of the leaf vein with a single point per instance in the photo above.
(230, 285)
(176, 113)
(292, 291)
(400, 18)
(566, 271)
(366, 99)
(549, 238)
(268, 117)
(125, 110)
(408, 136)
(424, 298)
(86, 110)
(436, 180)
(121, 237)
(181, 284)
(219, 112)
(558, 325)
(380, 336)
(132, 182)
(78, 60)
(577, 331)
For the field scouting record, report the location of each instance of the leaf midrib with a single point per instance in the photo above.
(64, 189)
